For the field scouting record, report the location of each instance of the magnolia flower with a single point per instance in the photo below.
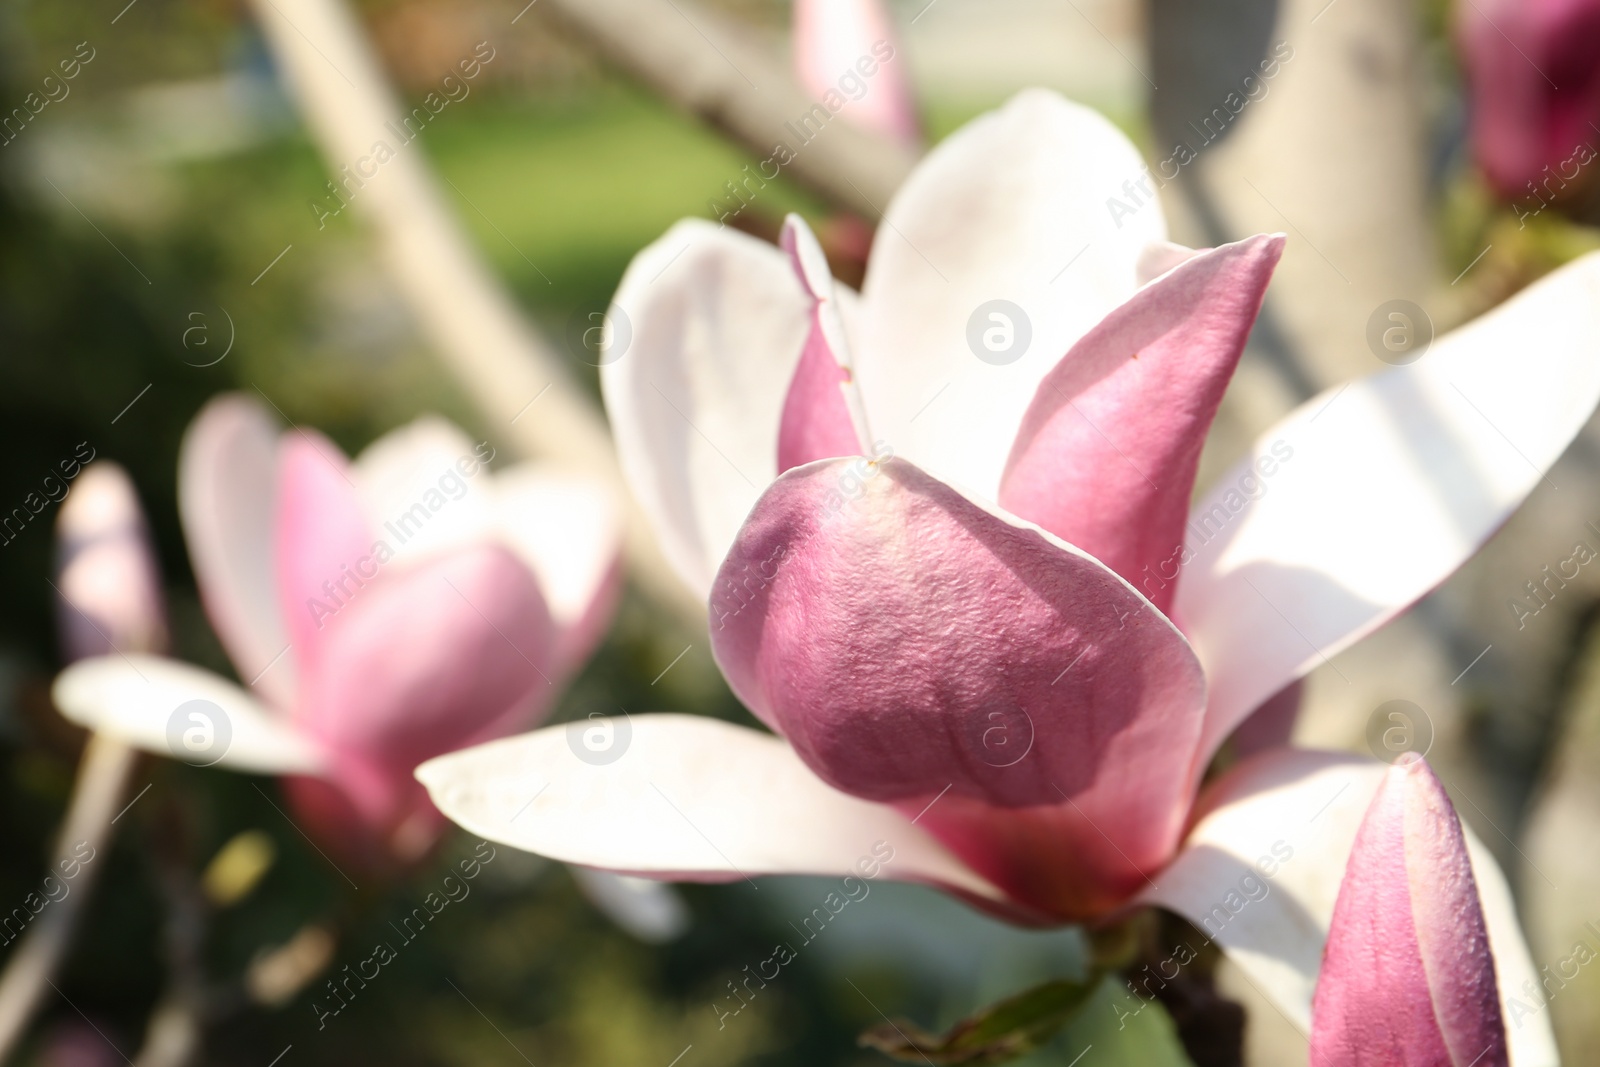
(383, 611)
(940, 528)
(845, 57)
(1533, 72)
(1408, 977)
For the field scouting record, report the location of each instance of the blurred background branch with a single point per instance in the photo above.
(102, 782)
(518, 382)
(701, 62)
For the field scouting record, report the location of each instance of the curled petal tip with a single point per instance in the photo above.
(823, 415)
(806, 255)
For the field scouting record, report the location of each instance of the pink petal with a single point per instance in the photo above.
(106, 571)
(1107, 452)
(227, 488)
(836, 42)
(902, 638)
(321, 538)
(1533, 70)
(1407, 976)
(422, 661)
(816, 418)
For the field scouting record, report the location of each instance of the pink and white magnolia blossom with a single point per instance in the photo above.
(1408, 978)
(846, 58)
(383, 611)
(944, 568)
(1533, 78)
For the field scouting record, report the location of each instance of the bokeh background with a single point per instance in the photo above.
(139, 220)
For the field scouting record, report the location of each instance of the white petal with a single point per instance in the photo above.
(227, 492)
(683, 797)
(1159, 257)
(717, 322)
(1307, 806)
(1013, 206)
(417, 494)
(137, 698)
(569, 532)
(651, 911)
(1382, 487)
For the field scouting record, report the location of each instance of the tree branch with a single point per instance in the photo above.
(102, 780)
(703, 64)
(519, 384)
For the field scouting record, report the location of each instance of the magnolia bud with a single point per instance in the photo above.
(1533, 72)
(107, 578)
(1407, 976)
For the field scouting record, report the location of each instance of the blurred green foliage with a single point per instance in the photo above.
(114, 251)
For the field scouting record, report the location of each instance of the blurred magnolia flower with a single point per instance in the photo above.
(106, 573)
(845, 57)
(972, 635)
(1533, 73)
(1408, 977)
(384, 610)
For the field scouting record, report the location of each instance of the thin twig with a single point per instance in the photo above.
(103, 775)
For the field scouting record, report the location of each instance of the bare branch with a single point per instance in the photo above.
(102, 781)
(520, 385)
(702, 63)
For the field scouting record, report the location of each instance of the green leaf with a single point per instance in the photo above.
(1003, 1031)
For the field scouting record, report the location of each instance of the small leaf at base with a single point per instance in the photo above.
(1003, 1031)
